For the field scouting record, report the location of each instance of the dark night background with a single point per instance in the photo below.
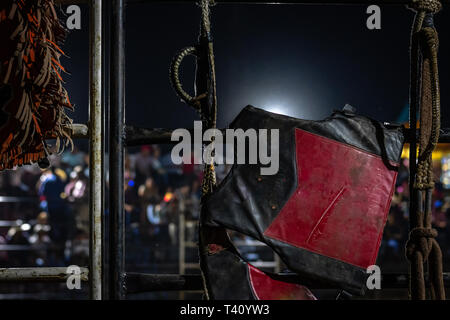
(303, 60)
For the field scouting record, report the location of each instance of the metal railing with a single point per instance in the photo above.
(95, 132)
(118, 281)
(319, 2)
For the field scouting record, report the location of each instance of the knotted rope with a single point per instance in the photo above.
(422, 246)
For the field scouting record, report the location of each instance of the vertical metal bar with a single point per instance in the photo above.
(95, 150)
(116, 151)
(181, 248)
(105, 97)
(182, 243)
(277, 268)
(412, 165)
(414, 195)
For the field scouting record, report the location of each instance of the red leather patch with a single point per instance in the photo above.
(341, 203)
(266, 288)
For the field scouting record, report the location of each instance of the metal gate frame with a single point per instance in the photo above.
(117, 280)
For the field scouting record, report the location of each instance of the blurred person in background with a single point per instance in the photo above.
(3, 254)
(40, 241)
(18, 235)
(77, 194)
(149, 198)
(395, 232)
(80, 248)
(157, 170)
(440, 223)
(142, 164)
(61, 219)
(72, 159)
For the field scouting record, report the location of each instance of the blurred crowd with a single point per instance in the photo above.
(44, 214)
(392, 250)
(48, 223)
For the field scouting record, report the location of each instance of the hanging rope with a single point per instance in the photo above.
(209, 108)
(422, 246)
(205, 104)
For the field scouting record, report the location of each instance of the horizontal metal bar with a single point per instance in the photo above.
(53, 274)
(5, 199)
(139, 282)
(138, 136)
(9, 223)
(321, 2)
(192, 265)
(21, 247)
(191, 244)
(79, 131)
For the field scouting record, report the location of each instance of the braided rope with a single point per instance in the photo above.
(176, 82)
(422, 246)
(206, 22)
(424, 177)
(427, 6)
(206, 235)
(209, 178)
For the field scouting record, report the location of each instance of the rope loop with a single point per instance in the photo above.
(428, 6)
(176, 82)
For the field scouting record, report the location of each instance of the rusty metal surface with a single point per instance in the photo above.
(79, 131)
(96, 152)
(56, 274)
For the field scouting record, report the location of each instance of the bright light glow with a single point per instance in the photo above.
(277, 109)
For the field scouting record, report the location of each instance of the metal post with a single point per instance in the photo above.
(96, 158)
(105, 98)
(116, 151)
(181, 248)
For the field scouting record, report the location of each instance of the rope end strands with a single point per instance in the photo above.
(422, 246)
(33, 100)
